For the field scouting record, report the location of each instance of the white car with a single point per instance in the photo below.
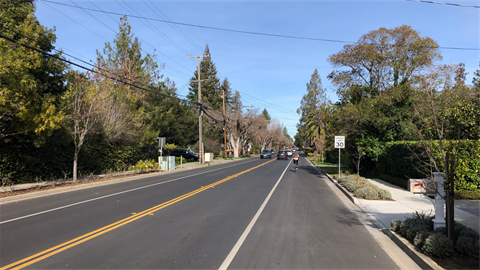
(289, 153)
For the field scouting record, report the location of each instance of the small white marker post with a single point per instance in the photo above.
(339, 143)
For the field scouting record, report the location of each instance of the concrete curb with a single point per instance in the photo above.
(418, 257)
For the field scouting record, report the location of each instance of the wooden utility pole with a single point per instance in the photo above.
(224, 128)
(200, 112)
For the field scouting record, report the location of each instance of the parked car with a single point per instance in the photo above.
(282, 154)
(266, 154)
(186, 153)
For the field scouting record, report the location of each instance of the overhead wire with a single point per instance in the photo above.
(242, 31)
(156, 31)
(443, 3)
(94, 71)
(176, 28)
(180, 74)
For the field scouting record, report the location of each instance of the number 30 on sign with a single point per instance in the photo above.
(339, 141)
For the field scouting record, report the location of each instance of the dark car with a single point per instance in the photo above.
(282, 155)
(186, 153)
(266, 154)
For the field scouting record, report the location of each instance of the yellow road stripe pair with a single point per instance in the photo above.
(59, 248)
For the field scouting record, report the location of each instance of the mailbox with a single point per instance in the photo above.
(421, 186)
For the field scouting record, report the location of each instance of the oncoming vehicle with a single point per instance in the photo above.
(282, 154)
(266, 154)
(186, 153)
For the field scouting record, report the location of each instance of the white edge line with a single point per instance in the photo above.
(242, 238)
(114, 194)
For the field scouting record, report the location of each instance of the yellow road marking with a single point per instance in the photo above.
(76, 241)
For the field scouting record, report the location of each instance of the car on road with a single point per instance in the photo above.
(289, 153)
(185, 153)
(266, 154)
(282, 154)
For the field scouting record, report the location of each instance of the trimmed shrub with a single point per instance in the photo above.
(342, 179)
(349, 185)
(368, 193)
(438, 245)
(384, 194)
(468, 232)
(441, 230)
(467, 246)
(467, 194)
(419, 240)
(395, 225)
(177, 160)
(412, 225)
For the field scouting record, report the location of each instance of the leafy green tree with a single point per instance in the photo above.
(31, 83)
(476, 79)
(381, 59)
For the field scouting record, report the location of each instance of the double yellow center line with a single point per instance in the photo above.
(59, 248)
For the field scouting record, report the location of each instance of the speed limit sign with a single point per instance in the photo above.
(339, 141)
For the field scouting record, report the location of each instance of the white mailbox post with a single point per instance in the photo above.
(339, 143)
(439, 220)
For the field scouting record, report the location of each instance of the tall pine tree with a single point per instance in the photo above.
(211, 88)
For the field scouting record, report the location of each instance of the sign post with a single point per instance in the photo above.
(339, 143)
(161, 144)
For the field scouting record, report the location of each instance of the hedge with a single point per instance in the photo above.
(467, 194)
(403, 183)
(399, 161)
(24, 163)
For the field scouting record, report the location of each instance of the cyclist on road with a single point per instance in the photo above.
(295, 159)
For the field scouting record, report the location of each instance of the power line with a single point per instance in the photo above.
(442, 3)
(157, 31)
(91, 70)
(238, 31)
(180, 74)
(268, 103)
(173, 26)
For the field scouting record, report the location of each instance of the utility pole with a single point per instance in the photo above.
(224, 128)
(200, 112)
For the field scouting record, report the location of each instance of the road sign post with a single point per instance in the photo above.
(161, 144)
(339, 143)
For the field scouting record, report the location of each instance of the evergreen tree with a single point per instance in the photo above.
(237, 102)
(266, 115)
(211, 90)
(311, 102)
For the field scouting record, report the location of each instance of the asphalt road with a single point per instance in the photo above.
(252, 214)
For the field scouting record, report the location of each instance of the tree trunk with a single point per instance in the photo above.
(236, 147)
(75, 161)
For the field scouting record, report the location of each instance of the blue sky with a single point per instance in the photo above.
(269, 72)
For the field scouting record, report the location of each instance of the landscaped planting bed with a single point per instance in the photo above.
(461, 253)
(363, 189)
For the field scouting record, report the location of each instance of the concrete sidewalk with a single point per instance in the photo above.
(406, 203)
(125, 175)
